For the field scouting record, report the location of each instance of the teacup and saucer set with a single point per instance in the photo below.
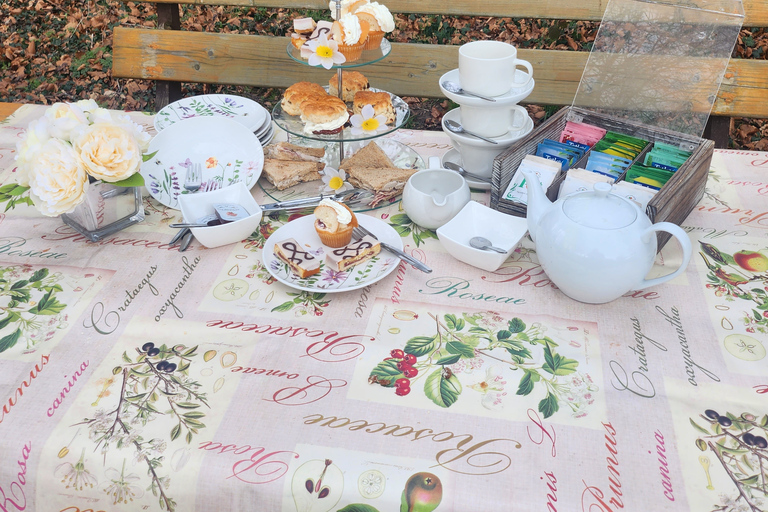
(488, 85)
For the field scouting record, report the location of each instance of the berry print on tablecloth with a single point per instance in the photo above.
(131, 432)
(482, 362)
(735, 274)
(39, 305)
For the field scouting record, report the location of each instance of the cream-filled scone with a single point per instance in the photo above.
(334, 223)
(353, 253)
(297, 93)
(352, 83)
(326, 115)
(380, 101)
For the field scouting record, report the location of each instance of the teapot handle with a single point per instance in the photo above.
(685, 243)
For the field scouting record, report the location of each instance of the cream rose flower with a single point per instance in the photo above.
(26, 149)
(108, 151)
(64, 119)
(57, 179)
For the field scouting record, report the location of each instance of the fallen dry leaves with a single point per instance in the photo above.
(60, 50)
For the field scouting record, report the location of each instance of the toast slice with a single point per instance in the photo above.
(370, 155)
(288, 151)
(287, 173)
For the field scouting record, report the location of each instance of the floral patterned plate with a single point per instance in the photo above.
(329, 281)
(228, 152)
(243, 110)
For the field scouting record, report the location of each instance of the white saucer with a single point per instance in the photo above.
(514, 95)
(454, 157)
(268, 135)
(504, 140)
(264, 128)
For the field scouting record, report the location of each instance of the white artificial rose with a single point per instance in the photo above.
(64, 119)
(28, 147)
(142, 137)
(57, 179)
(108, 151)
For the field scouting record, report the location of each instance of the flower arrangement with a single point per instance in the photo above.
(71, 145)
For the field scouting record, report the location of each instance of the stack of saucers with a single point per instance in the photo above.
(243, 110)
(490, 69)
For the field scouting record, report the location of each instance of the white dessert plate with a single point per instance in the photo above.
(228, 152)
(267, 136)
(264, 128)
(243, 110)
(453, 156)
(329, 281)
(514, 95)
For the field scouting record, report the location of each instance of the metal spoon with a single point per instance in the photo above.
(456, 88)
(459, 169)
(484, 244)
(457, 128)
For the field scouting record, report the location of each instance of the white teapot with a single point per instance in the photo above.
(596, 246)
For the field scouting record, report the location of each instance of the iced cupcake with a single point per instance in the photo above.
(379, 20)
(350, 33)
(347, 6)
(334, 223)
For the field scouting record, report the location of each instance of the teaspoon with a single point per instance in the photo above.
(456, 88)
(457, 128)
(459, 169)
(478, 242)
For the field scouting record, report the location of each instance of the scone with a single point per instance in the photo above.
(299, 260)
(326, 115)
(380, 101)
(298, 92)
(352, 83)
(334, 223)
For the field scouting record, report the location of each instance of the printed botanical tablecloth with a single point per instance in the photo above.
(136, 377)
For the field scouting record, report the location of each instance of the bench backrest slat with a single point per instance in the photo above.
(410, 70)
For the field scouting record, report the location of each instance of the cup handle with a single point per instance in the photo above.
(526, 65)
(523, 111)
(685, 243)
(434, 163)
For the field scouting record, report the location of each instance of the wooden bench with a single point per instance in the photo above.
(173, 56)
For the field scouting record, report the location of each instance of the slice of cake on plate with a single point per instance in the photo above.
(299, 260)
(353, 253)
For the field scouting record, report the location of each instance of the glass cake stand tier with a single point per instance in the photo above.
(401, 155)
(295, 126)
(367, 57)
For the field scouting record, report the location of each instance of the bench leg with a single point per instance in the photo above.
(718, 129)
(167, 92)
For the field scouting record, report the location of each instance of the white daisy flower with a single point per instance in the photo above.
(366, 122)
(322, 52)
(335, 181)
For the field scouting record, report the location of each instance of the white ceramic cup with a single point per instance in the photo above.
(493, 121)
(488, 67)
(478, 158)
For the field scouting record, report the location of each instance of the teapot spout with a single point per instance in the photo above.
(538, 203)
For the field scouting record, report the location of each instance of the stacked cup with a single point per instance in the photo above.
(489, 69)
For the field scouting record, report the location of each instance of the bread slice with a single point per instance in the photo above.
(288, 151)
(287, 173)
(370, 155)
(386, 182)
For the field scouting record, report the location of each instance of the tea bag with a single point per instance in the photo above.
(581, 180)
(546, 170)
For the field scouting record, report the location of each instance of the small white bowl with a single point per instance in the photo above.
(504, 231)
(198, 205)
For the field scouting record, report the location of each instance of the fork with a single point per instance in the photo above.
(194, 178)
(359, 232)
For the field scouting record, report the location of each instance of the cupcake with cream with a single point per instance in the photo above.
(346, 6)
(334, 223)
(380, 21)
(350, 33)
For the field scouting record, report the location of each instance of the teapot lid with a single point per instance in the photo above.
(599, 209)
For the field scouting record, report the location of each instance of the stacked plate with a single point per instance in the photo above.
(243, 110)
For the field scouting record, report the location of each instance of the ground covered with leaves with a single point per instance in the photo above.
(60, 50)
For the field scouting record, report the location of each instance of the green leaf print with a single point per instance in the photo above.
(443, 392)
(9, 341)
(462, 349)
(420, 345)
(557, 364)
(516, 325)
(385, 373)
(453, 323)
(548, 406)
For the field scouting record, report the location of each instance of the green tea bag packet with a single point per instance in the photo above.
(546, 170)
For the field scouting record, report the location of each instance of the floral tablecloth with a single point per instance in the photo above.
(136, 377)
